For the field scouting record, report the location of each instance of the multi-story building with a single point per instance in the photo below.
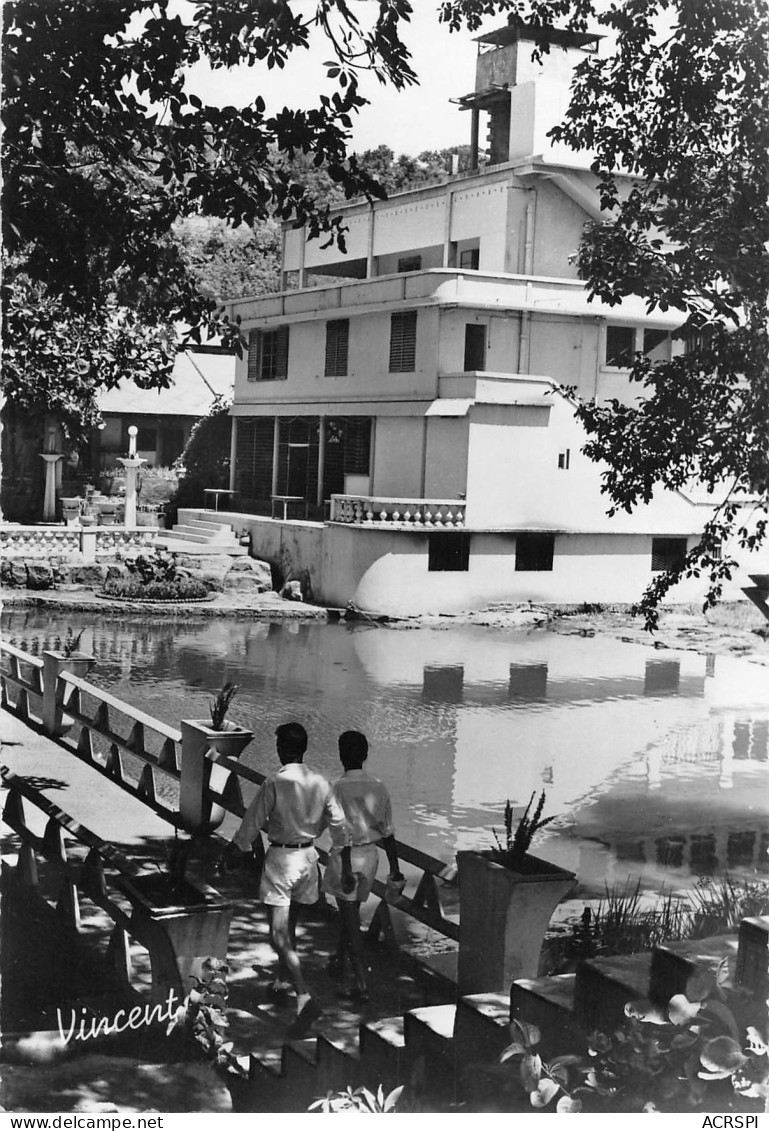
(401, 414)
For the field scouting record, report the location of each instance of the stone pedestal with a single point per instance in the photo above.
(49, 499)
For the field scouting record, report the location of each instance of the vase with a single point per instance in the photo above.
(193, 918)
(503, 917)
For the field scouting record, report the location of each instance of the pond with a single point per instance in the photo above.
(654, 762)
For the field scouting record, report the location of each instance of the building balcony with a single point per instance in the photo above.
(377, 511)
(441, 286)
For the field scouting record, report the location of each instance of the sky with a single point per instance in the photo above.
(411, 121)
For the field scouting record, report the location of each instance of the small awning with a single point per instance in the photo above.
(450, 407)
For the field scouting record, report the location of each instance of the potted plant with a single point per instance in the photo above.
(68, 657)
(203, 745)
(70, 509)
(506, 899)
(168, 908)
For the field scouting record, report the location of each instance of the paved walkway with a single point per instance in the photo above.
(258, 1021)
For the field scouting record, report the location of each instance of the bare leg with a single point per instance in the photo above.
(350, 937)
(281, 936)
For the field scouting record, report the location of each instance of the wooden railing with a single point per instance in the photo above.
(75, 879)
(146, 757)
(375, 510)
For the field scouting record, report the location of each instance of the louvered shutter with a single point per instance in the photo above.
(337, 339)
(403, 341)
(253, 355)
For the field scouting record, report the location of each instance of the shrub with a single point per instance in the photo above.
(181, 589)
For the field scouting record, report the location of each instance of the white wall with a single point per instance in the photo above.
(446, 459)
(398, 456)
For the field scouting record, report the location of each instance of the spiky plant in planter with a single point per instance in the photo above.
(220, 706)
(513, 852)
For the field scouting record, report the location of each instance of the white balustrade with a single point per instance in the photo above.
(374, 510)
(65, 541)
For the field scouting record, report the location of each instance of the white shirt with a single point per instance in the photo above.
(294, 805)
(366, 805)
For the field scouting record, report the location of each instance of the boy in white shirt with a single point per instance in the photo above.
(369, 827)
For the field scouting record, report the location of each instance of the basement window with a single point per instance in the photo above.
(534, 552)
(668, 554)
(448, 551)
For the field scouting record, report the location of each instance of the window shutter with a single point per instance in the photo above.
(253, 355)
(281, 354)
(403, 342)
(337, 340)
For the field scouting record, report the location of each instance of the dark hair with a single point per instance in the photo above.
(293, 738)
(353, 748)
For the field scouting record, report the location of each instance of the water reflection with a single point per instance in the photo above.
(654, 764)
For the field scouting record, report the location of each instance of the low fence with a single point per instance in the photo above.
(104, 877)
(174, 774)
(66, 542)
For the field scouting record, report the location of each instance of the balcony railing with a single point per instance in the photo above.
(374, 510)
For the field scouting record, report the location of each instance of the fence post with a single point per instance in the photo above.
(52, 665)
(192, 776)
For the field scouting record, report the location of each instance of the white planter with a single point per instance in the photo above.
(202, 747)
(503, 916)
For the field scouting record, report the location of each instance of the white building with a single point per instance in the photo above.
(399, 413)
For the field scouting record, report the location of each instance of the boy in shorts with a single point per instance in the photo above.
(366, 805)
(293, 807)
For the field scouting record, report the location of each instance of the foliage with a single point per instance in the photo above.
(203, 1016)
(181, 589)
(205, 461)
(359, 1099)
(679, 101)
(220, 705)
(56, 359)
(227, 262)
(706, 1050)
(154, 566)
(517, 843)
(72, 641)
(622, 923)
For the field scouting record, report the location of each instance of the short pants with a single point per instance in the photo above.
(289, 875)
(364, 860)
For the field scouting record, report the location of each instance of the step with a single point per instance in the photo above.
(382, 1054)
(430, 1053)
(674, 963)
(299, 1070)
(181, 546)
(604, 986)
(191, 534)
(339, 1063)
(482, 1028)
(548, 1003)
(208, 526)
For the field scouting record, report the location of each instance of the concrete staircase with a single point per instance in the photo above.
(433, 1050)
(447, 1056)
(201, 536)
(566, 1007)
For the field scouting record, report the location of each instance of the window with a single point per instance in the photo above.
(268, 354)
(668, 553)
(620, 346)
(448, 551)
(337, 337)
(410, 263)
(146, 439)
(563, 460)
(653, 339)
(622, 343)
(534, 552)
(469, 259)
(403, 341)
(475, 347)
